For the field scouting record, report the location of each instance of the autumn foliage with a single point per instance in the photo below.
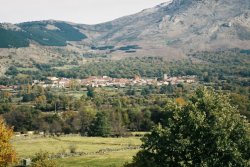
(7, 153)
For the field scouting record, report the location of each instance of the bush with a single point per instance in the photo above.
(43, 159)
(72, 148)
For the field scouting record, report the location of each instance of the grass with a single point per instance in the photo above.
(27, 69)
(114, 159)
(65, 67)
(28, 146)
(75, 93)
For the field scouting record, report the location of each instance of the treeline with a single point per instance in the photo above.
(98, 112)
(88, 120)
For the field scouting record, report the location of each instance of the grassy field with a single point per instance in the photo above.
(117, 154)
(114, 159)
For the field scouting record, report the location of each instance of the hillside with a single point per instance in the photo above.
(12, 36)
(51, 33)
(169, 30)
(186, 25)
(47, 33)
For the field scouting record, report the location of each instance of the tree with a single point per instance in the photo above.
(130, 92)
(5, 96)
(7, 153)
(86, 116)
(208, 131)
(136, 119)
(167, 89)
(55, 126)
(100, 125)
(117, 125)
(12, 71)
(22, 118)
(40, 101)
(90, 92)
(145, 91)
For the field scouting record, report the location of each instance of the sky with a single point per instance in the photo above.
(78, 11)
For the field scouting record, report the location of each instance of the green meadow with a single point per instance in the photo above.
(97, 151)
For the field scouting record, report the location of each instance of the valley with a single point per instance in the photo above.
(167, 86)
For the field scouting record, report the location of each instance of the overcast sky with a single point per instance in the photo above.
(78, 11)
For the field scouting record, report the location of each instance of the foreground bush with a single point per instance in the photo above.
(43, 160)
(207, 131)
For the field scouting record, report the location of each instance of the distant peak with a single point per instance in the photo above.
(164, 4)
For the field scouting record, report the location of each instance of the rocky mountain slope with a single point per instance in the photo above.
(171, 29)
(184, 24)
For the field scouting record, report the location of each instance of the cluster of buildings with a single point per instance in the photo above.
(105, 81)
(177, 80)
(2, 87)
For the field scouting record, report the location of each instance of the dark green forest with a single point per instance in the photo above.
(10, 39)
(38, 32)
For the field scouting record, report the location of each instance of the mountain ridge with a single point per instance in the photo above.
(171, 30)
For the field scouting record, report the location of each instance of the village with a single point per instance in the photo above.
(106, 81)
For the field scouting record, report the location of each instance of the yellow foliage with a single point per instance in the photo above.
(29, 89)
(6, 94)
(41, 99)
(7, 153)
(180, 101)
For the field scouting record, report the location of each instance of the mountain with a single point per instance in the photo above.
(186, 25)
(171, 30)
(37, 42)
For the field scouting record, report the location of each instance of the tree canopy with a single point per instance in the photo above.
(207, 131)
(100, 125)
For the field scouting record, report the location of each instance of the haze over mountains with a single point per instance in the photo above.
(171, 30)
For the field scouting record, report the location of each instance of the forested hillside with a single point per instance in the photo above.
(13, 39)
(44, 33)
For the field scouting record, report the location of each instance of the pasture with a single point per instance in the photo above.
(88, 151)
